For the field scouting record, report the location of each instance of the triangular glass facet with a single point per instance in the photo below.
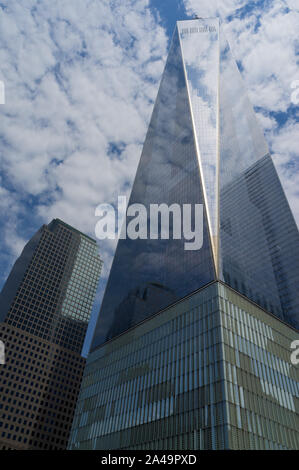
(150, 274)
(258, 237)
(200, 49)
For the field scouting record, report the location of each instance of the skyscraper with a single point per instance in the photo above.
(45, 304)
(192, 348)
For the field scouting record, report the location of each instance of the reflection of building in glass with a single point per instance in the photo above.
(142, 300)
(209, 365)
(46, 304)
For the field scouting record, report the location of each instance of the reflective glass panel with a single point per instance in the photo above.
(148, 274)
(200, 49)
(259, 239)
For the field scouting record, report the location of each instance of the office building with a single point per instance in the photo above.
(192, 349)
(46, 304)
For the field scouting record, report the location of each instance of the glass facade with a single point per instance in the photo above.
(204, 146)
(45, 304)
(192, 348)
(211, 372)
(149, 274)
(261, 383)
(202, 75)
(258, 236)
(51, 288)
(260, 240)
(83, 282)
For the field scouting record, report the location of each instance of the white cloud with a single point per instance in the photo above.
(82, 74)
(9, 208)
(78, 75)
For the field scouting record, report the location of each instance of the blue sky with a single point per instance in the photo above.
(81, 79)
